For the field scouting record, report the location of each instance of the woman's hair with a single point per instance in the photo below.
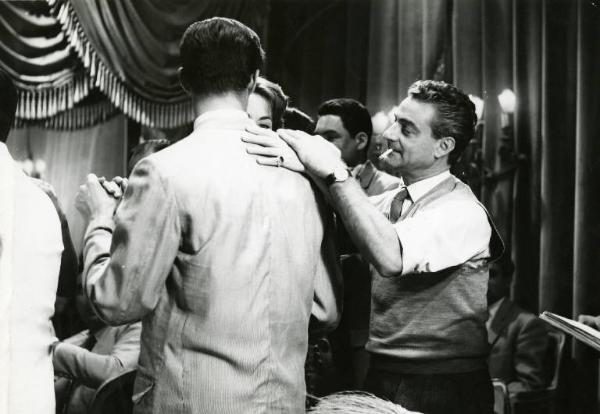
(293, 118)
(273, 93)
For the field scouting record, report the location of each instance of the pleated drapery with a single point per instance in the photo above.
(130, 50)
(548, 53)
(104, 57)
(49, 77)
(70, 156)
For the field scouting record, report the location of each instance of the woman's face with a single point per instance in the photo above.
(259, 110)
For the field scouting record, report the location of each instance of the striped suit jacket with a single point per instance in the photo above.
(224, 261)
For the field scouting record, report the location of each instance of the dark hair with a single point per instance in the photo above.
(8, 104)
(455, 113)
(355, 117)
(273, 93)
(144, 149)
(506, 265)
(219, 55)
(293, 118)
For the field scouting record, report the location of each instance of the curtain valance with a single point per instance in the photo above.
(130, 50)
(33, 49)
(105, 54)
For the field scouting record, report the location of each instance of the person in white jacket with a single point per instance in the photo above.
(30, 253)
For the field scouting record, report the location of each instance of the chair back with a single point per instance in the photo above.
(114, 395)
(544, 401)
(556, 348)
(501, 400)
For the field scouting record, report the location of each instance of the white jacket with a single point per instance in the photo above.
(30, 253)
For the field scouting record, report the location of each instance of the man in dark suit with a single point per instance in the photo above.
(519, 340)
(223, 261)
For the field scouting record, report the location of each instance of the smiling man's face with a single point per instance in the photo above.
(411, 139)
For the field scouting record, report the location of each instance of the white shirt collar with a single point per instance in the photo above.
(420, 188)
(3, 149)
(237, 116)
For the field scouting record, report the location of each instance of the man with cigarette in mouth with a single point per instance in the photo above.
(429, 244)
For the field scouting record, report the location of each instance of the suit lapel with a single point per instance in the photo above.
(501, 321)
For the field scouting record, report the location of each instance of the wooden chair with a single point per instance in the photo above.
(501, 400)
(114, 395)
(543, 401)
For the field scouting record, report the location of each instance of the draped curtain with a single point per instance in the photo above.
(548, 53)
(105, 56)
(49, 77)
(131, 49)
(317, 50)
(70, 156)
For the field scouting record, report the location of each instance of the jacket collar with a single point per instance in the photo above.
(365, 174)
(222, 119)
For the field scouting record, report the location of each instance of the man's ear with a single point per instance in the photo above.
(252, 83)
(362, 140)
(182, 81)
(444, 146)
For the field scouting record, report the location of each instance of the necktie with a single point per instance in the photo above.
(396, 206)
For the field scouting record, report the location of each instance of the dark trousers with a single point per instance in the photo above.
(463, 393)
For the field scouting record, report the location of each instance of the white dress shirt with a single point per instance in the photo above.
(442, 235)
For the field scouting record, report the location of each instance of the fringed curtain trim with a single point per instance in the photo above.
(167, 114)
(40, 102)
(81, 116)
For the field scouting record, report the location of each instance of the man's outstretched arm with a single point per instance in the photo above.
(127, 257)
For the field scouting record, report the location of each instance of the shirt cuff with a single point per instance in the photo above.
(409, 262)
(100, 223)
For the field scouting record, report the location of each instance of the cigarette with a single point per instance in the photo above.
(385, 154)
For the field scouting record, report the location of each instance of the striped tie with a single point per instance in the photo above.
(396, 206)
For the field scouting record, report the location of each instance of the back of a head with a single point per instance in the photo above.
(354, 115)
(219, 55)
(8, 104)
(455, 113)
(293, 118)
(144, 149)
(355, 402)
(506, 265)
(273, 93)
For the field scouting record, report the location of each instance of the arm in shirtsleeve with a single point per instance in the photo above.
(443, 237)
(125, 271)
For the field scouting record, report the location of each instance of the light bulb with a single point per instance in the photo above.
(508, 101)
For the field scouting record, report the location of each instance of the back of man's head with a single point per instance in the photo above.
(8, 104)
(354, 115)
(455, 113)
(218, 56)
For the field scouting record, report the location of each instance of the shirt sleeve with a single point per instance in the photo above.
(125, 271)
(448, 235)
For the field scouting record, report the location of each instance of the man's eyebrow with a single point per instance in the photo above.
(326, 131)
(265, 117)
(407, 123)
